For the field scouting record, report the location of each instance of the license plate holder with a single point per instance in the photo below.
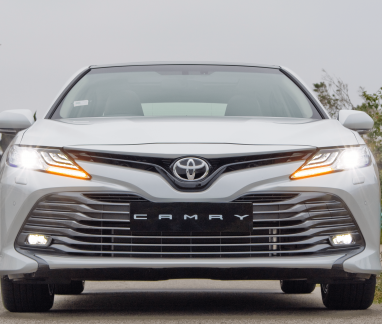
(191, 217)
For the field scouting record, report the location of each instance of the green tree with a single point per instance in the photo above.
(333, 93)
(372, 105)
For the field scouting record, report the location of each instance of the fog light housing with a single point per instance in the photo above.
(38, 240)
(342, 239)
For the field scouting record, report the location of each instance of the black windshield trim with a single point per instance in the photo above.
(184, 63)
(62, 96)
(167, 67)
(306, 93)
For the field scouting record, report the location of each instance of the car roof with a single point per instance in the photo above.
(184, 63)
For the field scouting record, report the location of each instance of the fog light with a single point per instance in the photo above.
(342, 239)
(38, 239)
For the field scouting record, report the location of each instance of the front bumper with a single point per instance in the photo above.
(20, 190)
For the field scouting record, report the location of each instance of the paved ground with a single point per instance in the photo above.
(191, 301)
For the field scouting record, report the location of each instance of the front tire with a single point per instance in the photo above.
(75, 287)
(349, 296)
(297, 286)
(26, 297)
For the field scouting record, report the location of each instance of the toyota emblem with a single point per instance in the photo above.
(190, 169)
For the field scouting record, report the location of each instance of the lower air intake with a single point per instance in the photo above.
(98, 225)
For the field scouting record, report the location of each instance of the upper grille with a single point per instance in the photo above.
(97, 224)
(164, 166)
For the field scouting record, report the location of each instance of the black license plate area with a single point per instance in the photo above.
(191, 217)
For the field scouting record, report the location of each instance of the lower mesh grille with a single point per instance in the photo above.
(98, 224)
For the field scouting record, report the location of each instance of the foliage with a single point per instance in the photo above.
(378, 291)
(378, 288)
(333, 93)
(372, 105)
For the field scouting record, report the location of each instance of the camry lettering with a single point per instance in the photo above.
(140, 216)
(165, 216)
(193, 216)
(241, 217)
(169, 216)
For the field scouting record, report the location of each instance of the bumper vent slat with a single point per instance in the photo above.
(98, 225)
(266, 198)
(115, 198)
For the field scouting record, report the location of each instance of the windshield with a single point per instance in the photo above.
(185, 90)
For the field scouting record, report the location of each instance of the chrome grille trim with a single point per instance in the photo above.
(71, 232)
(67, 249)
(80, 226)
(71, 241)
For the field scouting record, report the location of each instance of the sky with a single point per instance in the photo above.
(45, 42)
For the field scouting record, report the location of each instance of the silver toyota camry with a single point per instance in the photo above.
(156, 171)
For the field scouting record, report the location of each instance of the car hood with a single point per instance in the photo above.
(192, 130)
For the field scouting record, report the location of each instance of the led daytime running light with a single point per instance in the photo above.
(46, 160)
(311, 172)
(68, 172)
(334, 160)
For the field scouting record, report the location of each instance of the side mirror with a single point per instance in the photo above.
(356, 120)
(13, 121)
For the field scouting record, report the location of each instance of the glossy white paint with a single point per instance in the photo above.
(16, 119)
(323, 262)
(355, 120)
(224, 130)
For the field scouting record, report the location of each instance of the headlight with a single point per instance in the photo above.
(46, 160)
(334, 160)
